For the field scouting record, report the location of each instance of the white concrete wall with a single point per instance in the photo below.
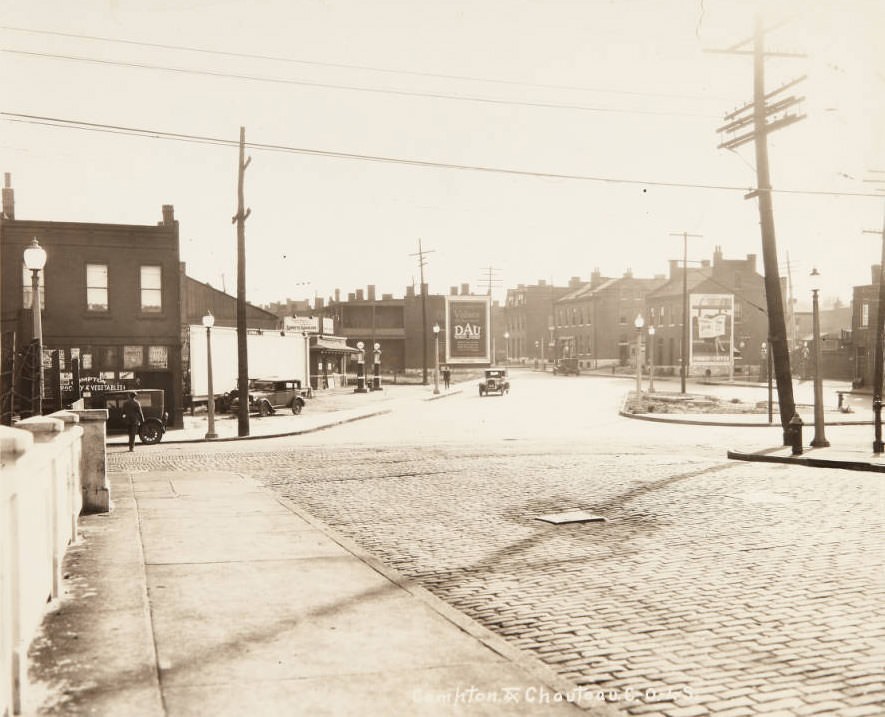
(40, 500)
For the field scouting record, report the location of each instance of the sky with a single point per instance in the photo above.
(518, 140)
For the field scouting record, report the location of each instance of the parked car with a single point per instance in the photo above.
(566, 366)
(266, 395)
(494, 381)
(152, 402)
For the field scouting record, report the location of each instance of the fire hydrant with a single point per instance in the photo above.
(794, 434)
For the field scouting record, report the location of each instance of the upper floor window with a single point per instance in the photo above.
(151, 289)
(738, 311)
(97, 287)
(27, 290)
(865, 315)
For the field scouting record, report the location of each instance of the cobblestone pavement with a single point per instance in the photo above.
(712, 588)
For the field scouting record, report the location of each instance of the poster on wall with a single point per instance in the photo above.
(468, 338)
(712, 330)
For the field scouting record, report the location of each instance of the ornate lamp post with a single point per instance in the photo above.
(766, 360)
(638, 322)
(506, 347)
(436, 358)
(651, 359)
(209, 322)
(819, 440)
(35, 260)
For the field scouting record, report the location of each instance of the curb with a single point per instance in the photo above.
(298, 432)
(526, 661)
(436, 397)
(808, 462)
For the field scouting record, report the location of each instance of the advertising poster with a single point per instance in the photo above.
(467, 329)
(712, 330)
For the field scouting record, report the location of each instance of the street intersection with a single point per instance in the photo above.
(712, 586)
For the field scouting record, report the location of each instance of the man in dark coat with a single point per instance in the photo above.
(134, 417)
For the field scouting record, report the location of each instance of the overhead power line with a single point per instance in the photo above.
(258, 146)
(349, 88)
(348, 66)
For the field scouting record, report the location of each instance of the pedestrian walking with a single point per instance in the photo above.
(134, 417)
(447, 376)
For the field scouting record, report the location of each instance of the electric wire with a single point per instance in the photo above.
(220, 141)
(347, 66)
(351, 88)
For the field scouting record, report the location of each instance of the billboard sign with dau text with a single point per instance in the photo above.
(467, 325)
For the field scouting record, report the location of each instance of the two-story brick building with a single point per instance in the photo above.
(110, 297)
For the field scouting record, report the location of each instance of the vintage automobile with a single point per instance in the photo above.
(268, 394)
(494, 381)
(152, 402)
(566, 366)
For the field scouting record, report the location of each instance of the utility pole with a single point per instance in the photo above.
(489, 281)
(683, 368)
(242, 352)
(421, 262)
(755, 115)
(878, 361)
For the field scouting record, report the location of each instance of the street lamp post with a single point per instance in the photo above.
(506, 347)
(638, 322)
(35, 260)
(209, 322)
(436, 358)
(766, 358)
(651, 359)
(819, 440)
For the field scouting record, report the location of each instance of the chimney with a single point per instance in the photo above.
(8, 197)
(674, 268)
(595, 278)
(386, 297)
(370, 291)
(574, 282)
(465, 289)
(876, 272)
(168, 216)
(542, 282)
(337, 296)
(410, 291)
(629, 273)
(717, 256)
(351, 296)
(359, 294)
(751, 262)
(319, 303)
(453, 291)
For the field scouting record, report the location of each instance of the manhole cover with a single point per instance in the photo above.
(571, 516)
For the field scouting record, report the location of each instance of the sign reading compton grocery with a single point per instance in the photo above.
(467, 325)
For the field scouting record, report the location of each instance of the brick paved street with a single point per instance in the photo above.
(714, 586)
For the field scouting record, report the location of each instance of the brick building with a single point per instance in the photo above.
(734, 277)
(110, 296)
(865, 304)
(528, 317)
(594, 322)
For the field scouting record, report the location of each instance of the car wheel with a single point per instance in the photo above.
(264, 409)
(151, 431)
(297, 406)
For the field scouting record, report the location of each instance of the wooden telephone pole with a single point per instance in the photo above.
(683, 364)
(424, 333)
(242, 352)
(765, 114)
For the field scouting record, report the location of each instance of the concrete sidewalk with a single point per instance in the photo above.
(202, 593)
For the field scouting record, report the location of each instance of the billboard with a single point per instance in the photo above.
(468, 335)
(712, 330)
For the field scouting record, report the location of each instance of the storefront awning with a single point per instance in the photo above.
(331, 344)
